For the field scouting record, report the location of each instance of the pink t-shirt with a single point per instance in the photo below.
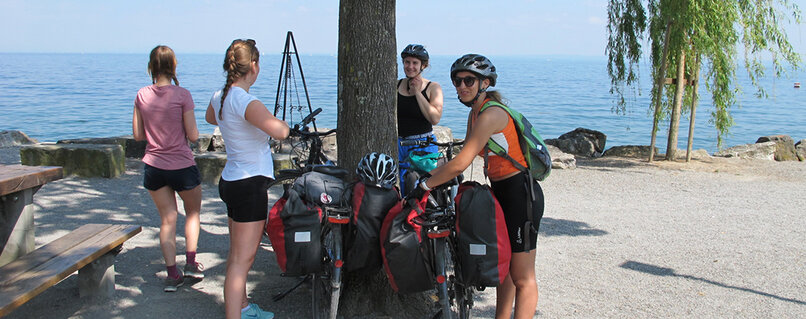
(161, 108)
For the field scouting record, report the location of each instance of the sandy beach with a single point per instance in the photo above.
(620, 238)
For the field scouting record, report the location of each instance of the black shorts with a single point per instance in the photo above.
(512, 193)
(178, 179)
(246, 199)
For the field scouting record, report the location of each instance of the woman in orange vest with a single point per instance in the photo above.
(472, 75)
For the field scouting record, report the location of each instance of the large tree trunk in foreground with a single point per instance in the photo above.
(367, 72)
(367, 122)
(674, 123)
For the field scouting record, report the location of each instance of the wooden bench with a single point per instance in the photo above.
(90, 249)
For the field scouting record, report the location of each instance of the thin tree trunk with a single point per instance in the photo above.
(694, 98)
(659, 87)
(674, 123)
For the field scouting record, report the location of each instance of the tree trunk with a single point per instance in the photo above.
(674, 123)
(659, 87)
(367, 122)
(367, 94)
(694, 97)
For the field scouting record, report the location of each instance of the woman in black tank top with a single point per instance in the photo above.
(419, 104)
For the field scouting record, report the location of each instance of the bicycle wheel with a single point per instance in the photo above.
(441, 262)
(327, 284)
(461, 294)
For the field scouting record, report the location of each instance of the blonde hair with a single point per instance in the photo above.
(162, 62)
(237, 63)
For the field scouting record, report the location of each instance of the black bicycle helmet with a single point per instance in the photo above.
(475, 63)
(377, 169)
(415, 50)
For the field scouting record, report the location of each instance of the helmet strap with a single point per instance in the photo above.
(473, 101)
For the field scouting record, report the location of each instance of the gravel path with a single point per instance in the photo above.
(620, 238)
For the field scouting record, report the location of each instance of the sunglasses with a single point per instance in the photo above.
(469, 81)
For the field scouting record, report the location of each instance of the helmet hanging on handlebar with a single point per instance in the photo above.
(377, 169)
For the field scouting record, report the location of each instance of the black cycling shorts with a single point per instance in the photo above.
(512, 194)
(178, 179)
(246, 199)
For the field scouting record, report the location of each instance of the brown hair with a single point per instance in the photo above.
(497, 97)
(237, 63)
(162, 62)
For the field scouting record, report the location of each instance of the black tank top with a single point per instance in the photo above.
(410, 120)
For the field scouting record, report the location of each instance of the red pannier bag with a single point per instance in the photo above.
(482, 239)
(403, 248)
(370, 206)
(294, 228)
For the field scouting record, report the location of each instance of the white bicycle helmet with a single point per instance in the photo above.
(377, 169)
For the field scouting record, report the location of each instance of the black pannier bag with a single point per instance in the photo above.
(482, 240)
(370, 205)
(294, 228)
(321, 189)
(404, 249)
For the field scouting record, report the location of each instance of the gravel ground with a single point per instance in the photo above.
(620, 238)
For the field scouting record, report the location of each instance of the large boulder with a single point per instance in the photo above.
(581, 141)
(800, 148)
(87, 160)
(217, 142)
(633, 151)
(765, 150)
(131, 148)
(784, 147)
(14, 138)
(560, 159)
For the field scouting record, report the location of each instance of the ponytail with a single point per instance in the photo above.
(237, 63)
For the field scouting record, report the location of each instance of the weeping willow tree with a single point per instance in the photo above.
(686, 36)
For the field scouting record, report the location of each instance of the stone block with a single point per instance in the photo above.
(784, 147)
(131, 148)
(633, 151)
(96, 280)
(203, 145)
(765, 151)
(800, 148)
(14, 138)
(87, 160)
(581, 141)
(211, 165)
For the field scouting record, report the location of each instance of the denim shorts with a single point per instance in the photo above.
(178, 179)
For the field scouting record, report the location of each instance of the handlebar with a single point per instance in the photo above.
(308, 119)
(430, 141)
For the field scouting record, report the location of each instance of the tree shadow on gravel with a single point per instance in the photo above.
(663, 271)
(565, 227)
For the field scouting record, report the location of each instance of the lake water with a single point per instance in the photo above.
(60, 96)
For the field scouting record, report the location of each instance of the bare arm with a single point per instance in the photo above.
(258, 115)
(138, 130)
(189, 121)
(489, 122)
(209, 116)
(431, 110)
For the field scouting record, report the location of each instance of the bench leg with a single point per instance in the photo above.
(16, 225)
(97, 279)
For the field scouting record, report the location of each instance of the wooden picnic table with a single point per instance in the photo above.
(18, 184)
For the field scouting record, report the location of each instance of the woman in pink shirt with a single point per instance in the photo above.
(163, 116)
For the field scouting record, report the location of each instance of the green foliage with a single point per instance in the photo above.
(708, 29)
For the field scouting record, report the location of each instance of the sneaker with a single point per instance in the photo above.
(194, 271)
(254, 312)
(172, 283)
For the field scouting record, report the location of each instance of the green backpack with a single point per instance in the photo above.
(538, 159)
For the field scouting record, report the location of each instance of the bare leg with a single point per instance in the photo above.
(192, 202)
(244, 241)
(522, 271)
(165, 200)
(504, 297)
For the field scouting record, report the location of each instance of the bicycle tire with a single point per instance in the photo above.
(461, 294)
(327, 284)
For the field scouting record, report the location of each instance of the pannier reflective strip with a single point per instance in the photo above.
(302, 237)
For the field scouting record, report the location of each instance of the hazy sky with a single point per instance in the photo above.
(505, 27)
